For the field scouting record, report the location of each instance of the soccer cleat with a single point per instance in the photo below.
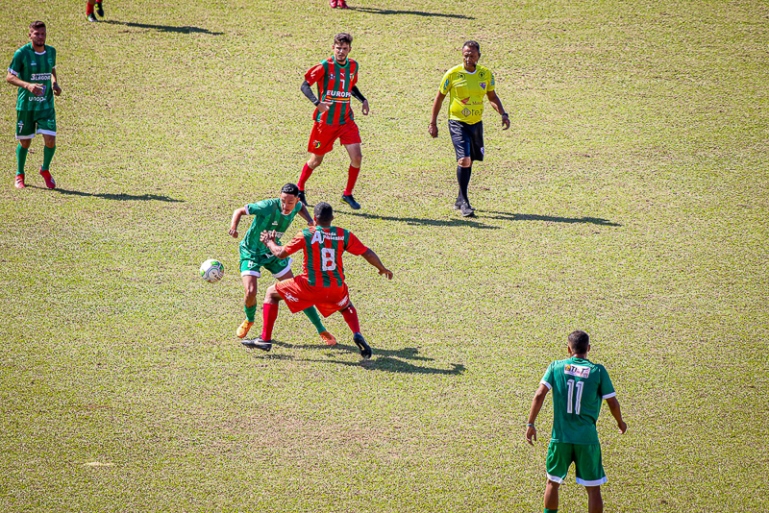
(99, 9)
(302, 198)
(91, 17)
(20, 182)
(342, 4)
(257, 343)
(333, 3)
(328, 338)
(467, 210)
(365, 349)
(347, 198)
(458, 204)
(243, 329)
(49, 181)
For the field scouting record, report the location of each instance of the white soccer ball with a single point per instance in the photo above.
(212, 270)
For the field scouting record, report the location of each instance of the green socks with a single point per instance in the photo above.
(47, 157)
(312, 314)
(551, 510)
(21, 159)
(250, 312)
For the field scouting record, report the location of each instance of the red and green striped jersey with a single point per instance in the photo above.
(323, 248)
(335, 83)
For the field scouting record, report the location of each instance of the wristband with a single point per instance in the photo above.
(530, 425)
(505, 115)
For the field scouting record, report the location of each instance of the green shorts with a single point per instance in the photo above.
(586, 458)
(252, 266)
(31, 122)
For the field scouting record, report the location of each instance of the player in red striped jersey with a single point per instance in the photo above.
(337, 79)
(322, 282)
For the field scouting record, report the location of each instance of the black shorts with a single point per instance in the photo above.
(467, 139)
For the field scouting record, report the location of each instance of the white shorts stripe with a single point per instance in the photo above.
(46, 132)
(597, 482)
(20, 137)
(555, 479)
(251, 273)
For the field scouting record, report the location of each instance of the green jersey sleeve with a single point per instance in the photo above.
(605, 387)
(547, 379)
(263, 208)
(17, 63)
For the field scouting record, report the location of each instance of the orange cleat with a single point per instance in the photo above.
(243, 329)
(328, 338)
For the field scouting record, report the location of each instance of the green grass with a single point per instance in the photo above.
(630, 199)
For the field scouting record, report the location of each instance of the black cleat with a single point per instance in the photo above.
(302, 198)
(466, 210)
(257, 343)
(365, 349)
(91, 17)
(458, 204)
(99, 9)
(347, 198)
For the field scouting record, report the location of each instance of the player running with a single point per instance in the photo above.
(89, 8)
(578, 387)
(336, 77)
(33, 71)
(274, 215)
(322, 282)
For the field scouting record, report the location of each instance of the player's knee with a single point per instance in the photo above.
(464, 162)
(356, 160)
(49, 141)
(25, 143)
(552, 484)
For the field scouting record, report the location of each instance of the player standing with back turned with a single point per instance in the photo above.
(579, 386)
(333, 119)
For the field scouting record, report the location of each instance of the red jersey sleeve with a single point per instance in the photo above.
(355, 246)
(296, 244)
(314, 74)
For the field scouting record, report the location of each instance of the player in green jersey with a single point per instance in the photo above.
(33, 71)
(579, 386)
(270, 215)
(467, 85)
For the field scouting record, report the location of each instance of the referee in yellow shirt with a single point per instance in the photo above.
(466, 86)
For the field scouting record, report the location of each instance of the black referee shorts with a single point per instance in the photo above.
(467, 139)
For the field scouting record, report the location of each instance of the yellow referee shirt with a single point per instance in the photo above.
(466, 91)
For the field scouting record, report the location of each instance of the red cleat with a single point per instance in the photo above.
(333, 3)
(49, 181)
(342, 4)
(20, 182)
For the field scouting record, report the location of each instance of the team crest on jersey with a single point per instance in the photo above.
(332, 76)
(579, 371)
(483, 85)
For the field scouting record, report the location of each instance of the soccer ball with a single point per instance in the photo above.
(212, 270)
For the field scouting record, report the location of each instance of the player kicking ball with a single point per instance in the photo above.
(322, 282)
(274, 215)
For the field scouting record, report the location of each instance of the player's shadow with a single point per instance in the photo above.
(165, 28)
(374, 10)
(120, 197)
(507, 216)
(420, 221)
(385, 360)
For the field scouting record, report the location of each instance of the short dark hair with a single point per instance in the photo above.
(473, 44)
(323, 212)
(579, 341)
(343, 37)
(36, 25)
(290, 188)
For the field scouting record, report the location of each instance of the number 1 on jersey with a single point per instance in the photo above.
(578, 402)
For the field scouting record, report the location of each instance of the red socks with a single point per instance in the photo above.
(269, 315)
(352, 177)
(350, 315)
(88, 9)
(306, 173)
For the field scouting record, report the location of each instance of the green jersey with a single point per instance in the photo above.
(37, 68)
(268, 217)
(579, 386)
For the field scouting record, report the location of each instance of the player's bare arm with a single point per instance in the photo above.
(437, 103)
(536, 405)
(305, 214)
(55, 83)
(268, 239)
(36, 89)
(496, 104)
(374, 260)
(236, 220)
(616, 412)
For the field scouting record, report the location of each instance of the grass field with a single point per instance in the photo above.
(630, 199)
